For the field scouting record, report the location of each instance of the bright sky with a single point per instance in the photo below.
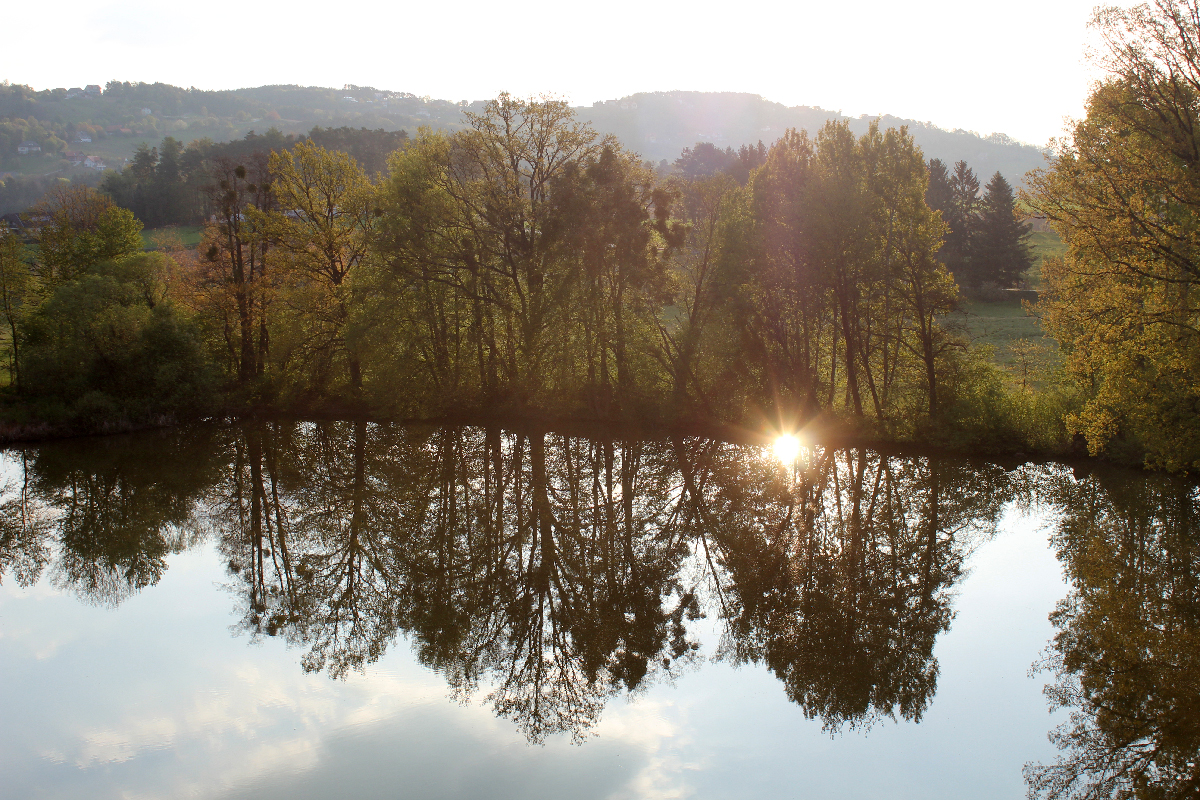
(1016, 67)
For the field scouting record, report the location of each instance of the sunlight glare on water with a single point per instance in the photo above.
(786, 449)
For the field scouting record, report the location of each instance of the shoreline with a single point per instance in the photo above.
(818, 431)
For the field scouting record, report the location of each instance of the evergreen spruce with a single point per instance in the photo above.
(962, 218)
(938, 195)
(1002, 244)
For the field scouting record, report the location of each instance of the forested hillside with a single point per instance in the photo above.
(658, 125)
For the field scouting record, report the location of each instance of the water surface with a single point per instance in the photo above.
(347, 609)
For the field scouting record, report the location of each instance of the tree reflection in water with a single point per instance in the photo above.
(558, 572)
(839, 578)
(103, 514)
(1126, 657)
(546, 569)
(554, 573)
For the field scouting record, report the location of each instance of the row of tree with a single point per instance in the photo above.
(527, 263)
(19, 193)
(171, 184)
(523, 264)
(986, 241)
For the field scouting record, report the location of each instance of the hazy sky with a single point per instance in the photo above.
(1016, 67)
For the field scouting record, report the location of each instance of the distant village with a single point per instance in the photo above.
(76, 158)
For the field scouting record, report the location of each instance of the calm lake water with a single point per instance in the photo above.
(365, 611)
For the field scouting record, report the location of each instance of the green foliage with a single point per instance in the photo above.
(705, 160)
(320, 241)
(16, 285)
(532, 251)
(18, 194)
(163, 185)
(986, 246)
(16, 130)
(1042, 245)
(845, 294)
(1001, 254)
(523, 264)
(176, 185)
(988, 411)
(81, 229)
(961, 217)
(1123, 192)
(370, 149)
(106, 346)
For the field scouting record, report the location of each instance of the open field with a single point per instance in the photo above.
(1004, 325)
(1043, 244)
(156, 238)
(1016, 339)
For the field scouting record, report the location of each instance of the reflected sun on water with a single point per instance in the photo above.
(786, 449)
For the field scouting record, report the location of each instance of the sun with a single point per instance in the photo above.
(787, 449)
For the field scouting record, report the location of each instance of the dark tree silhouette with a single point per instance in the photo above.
(1001, 249)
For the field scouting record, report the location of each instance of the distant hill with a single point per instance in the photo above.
(660, 124)
(113, 123)
(656, 124)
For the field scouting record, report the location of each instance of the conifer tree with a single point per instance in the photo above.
(1001, 248)
(939, 196)
(962, 219)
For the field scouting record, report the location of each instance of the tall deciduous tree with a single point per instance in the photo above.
(81, 228)
(15, 283)
(321, 231)
(698, 347)
(1124, 191)
(233, 286)
(533, 249)
(847, 294)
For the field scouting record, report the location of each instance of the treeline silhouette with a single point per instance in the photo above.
(171, 184)
(522, 266)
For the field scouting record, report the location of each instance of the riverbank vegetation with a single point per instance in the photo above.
(527, 266)
(1122, 301)
(524, 266)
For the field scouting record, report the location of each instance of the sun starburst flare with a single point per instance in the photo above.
(786, 449)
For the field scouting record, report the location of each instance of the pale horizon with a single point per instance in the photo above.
(1020, 70)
